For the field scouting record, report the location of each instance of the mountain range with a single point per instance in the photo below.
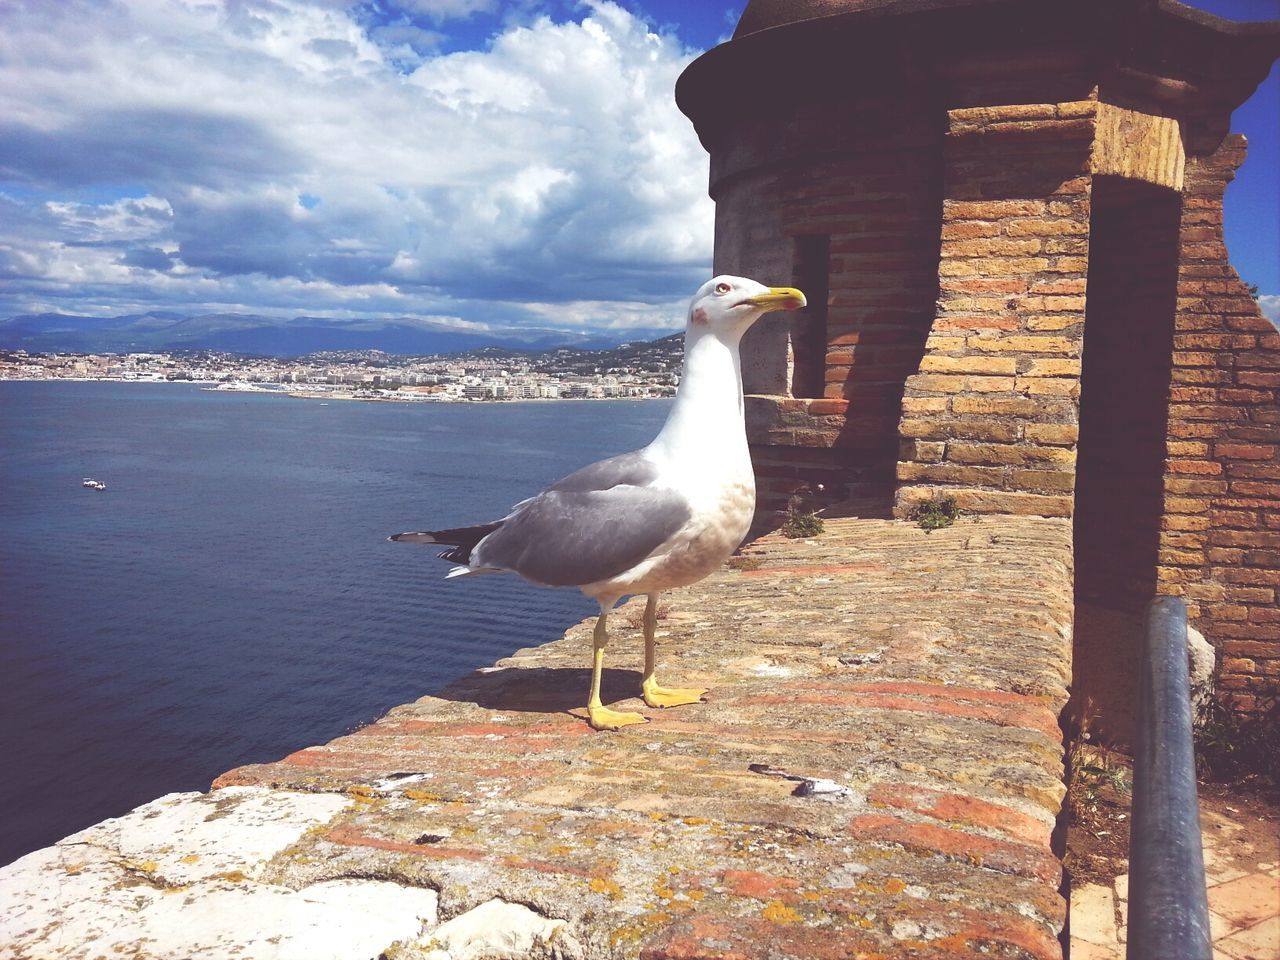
(162, 331)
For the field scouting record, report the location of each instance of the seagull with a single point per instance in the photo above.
(647, 521)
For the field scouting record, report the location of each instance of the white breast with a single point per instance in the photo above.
(721, 510)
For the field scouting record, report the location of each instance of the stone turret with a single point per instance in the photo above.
(972, 191)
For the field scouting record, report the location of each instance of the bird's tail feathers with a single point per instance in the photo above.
(462, 540)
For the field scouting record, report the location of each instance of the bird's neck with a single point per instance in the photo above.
(706, 418)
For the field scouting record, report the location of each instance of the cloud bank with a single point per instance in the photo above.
(1270, 304)
(308, 156)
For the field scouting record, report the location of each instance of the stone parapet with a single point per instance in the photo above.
(876, 771)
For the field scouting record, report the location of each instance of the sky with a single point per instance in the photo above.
(481, 163)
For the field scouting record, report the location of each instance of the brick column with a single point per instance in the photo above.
(991, 416)
(1220, 545)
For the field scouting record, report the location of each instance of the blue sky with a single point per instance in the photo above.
(482, 163)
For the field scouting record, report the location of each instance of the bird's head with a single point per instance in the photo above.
(727, 306)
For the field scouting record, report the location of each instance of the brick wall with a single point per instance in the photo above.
(1221, 542)
(991, 417)
(828, 383)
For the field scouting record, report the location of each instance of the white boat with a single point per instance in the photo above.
(93, 484)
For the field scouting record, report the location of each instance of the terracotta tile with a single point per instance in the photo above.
(1259, 942)
(1219, 875)
(1083, 950)
(1220, 927)
(1248, 900)
(1093, 917)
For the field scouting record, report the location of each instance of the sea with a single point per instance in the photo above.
(231, 595)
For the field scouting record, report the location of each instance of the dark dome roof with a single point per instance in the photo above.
(765, 14)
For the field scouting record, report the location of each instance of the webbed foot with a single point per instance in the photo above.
(602, 718)
(656, 696)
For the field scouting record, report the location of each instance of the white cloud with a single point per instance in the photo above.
(1270, 303)
(610, 315)
(551, 167)
(128, 218)
(445, 9)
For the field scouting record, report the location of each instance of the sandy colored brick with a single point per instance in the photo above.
(992, 453)
(1025, 344)
(932, 363)
(1047, 367)
(1052, 433)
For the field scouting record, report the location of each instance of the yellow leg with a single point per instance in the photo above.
(654, 695)
(601, 717)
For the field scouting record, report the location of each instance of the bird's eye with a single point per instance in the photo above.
(723, 288)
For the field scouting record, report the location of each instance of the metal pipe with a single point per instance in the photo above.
(1168, 906)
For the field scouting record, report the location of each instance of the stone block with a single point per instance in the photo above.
(1052, 433)
(1008, 454)
(980, 364)
(1045, 409)
(1067, 346)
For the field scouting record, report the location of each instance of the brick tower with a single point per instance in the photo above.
(1008, 217)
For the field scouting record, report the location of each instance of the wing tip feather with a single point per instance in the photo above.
(412, 536)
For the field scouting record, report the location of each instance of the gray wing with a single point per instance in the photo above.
(633, 469)
(594, 524)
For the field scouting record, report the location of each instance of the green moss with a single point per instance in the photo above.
(800, 523)
(936, 513)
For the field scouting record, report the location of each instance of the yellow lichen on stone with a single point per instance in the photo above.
(778, 912)
(422, 796)
(608, 887)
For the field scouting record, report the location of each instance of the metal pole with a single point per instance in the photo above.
(1168, 907)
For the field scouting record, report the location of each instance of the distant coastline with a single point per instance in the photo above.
(388, 396)
(636, 371)
(381, 396)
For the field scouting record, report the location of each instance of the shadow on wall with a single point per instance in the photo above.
(1124, 412)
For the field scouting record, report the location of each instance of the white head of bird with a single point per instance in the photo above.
(727, 306)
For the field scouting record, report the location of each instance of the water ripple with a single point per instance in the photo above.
(231, 597)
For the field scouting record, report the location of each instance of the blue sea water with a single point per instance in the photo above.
(231, 596)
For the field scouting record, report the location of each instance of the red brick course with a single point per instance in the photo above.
(829, 658)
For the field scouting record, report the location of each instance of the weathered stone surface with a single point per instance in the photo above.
(1138, 145)
(921, 674)
(183, 877)
(1201, 662)
(496, 930)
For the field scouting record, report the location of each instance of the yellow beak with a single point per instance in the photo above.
(779, 298)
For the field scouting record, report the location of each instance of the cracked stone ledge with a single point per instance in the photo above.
(186, 876)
